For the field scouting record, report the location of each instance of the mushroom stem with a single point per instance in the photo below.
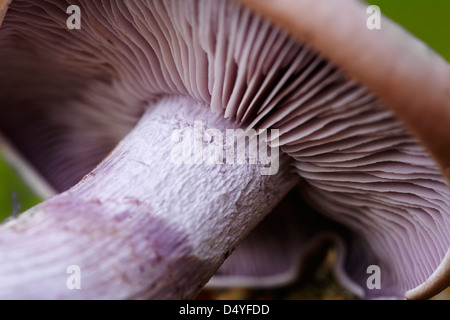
(140, 225)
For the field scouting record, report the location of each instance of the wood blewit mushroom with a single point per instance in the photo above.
(142, 226)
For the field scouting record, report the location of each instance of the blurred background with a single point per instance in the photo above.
(429, 20)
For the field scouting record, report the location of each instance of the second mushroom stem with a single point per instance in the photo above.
(141, 225)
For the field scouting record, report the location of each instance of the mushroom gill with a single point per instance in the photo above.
(140, 226)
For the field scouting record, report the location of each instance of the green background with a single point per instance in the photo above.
(428, 20)
(10, 183)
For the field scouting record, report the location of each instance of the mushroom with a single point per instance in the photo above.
(138, 78)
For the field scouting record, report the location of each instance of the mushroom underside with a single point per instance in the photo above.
(69, 96)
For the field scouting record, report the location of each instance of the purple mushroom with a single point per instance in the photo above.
(108, 114)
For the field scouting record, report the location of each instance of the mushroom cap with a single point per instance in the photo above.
(413, 82)
(411, 67)
(69, 96)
